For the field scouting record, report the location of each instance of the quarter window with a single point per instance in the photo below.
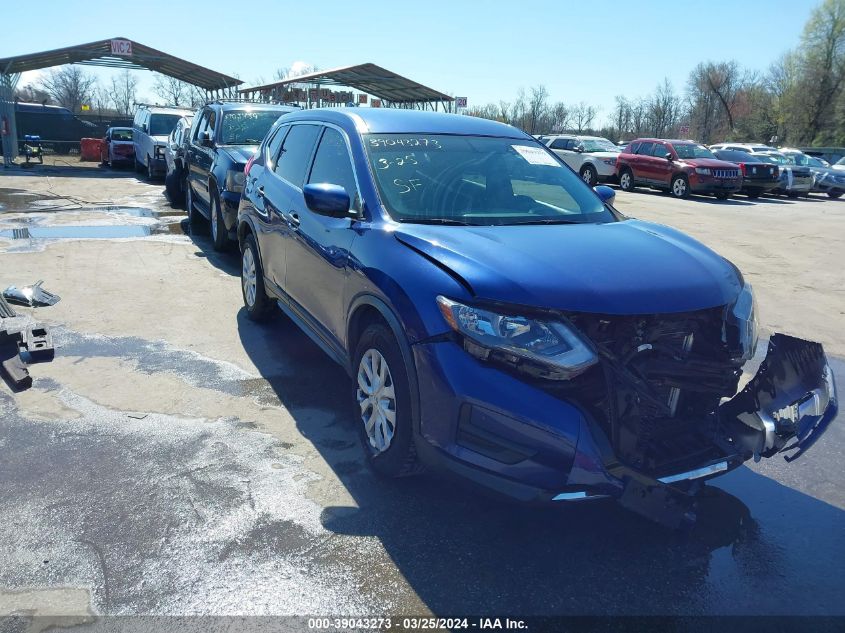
(296, 150)
(274, 144)
(645, 149)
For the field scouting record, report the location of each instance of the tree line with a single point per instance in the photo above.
(799, 100)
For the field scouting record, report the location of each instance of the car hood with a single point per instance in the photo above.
(712, 163)
(628, 267)
(241, 153)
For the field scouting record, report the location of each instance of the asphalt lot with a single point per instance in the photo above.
(176, 458)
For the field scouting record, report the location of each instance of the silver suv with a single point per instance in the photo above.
(593, 157)
(150, 129)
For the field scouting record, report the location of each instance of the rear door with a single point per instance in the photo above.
(282, 195)
(317, 252)
(639, 161)
(195, 155)
(203, 160)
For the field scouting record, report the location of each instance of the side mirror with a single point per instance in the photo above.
(606, 194)
(578, 148)
(144, 128)
(205, 139)
(327, 199)
(668, 156)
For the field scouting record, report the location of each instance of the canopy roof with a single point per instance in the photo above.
(121, 53)
(368, 78)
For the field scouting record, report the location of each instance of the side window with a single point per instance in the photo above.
(645, 149)
(559, 143)
(212, 123)
(660, 150)
(633, 148)
(202, 125)
(333, 165)
(273, 145)
(296, 151)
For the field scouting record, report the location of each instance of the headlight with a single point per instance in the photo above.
(235, 180)
(744, 313)
(704, 171)
(158, 152)
(549, 349)
(609, 161)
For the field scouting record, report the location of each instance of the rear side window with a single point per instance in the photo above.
(559, 143)
(645, 149)
(296, 150)
(333, 165)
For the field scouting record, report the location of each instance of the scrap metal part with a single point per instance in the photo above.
(38, 343)
(33, 295)
(12, 365)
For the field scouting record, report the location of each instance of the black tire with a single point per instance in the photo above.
(722, 196)
(219, 233)
(834, 194)
(172, 185)
(679, 187)
(139, 166)
(792, 194)
(753, 195)
(150, 174)
(626, 180)
(260, 309)
(399, 459)
(195, 218)
(589, 175)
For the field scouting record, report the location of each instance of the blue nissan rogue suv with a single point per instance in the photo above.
(501, 320)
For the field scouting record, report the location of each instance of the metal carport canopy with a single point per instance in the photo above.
(137, 56)
(368, 78)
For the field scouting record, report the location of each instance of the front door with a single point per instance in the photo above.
(318, 251)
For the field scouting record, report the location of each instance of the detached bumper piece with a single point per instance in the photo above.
(792, 397)
(18, 349)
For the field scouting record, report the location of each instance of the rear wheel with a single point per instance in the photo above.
(258, 305)
(834, 194)
(173, 187)
(722, 196)
(753, 195)
(626, 180)
(383, 404)
(589, 175)
(792, 194)
(679, 186)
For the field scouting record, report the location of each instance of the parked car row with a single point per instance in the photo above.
(602, 360)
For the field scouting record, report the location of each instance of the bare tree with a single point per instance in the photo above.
(32, 94)
(69, 86)
(123, 92)
(559, 117)
(537, 108)
(172, 90)
(583, 115)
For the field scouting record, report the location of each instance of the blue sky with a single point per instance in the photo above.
(486, 51)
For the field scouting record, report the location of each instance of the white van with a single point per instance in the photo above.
(150, 129)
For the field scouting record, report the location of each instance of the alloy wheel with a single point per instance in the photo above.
(248, 276)
(587, 176)
(377, 400)
(625, 181)
(679, 187)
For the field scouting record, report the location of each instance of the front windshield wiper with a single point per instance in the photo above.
(544, 221)
(438, 221)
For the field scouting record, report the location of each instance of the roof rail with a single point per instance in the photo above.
(155, 105)
(248, 100)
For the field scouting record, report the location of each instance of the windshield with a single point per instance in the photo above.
(599, 145)
(797, 159)
(121, 135)
(163, 124)
(473, 180)
(247, 127)
(691, 150)
(780, 159)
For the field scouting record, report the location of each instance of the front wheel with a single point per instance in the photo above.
(722, 196)
(792, 194)
(834, 194)
(626, 180)
(219, 234)
(753, 195)
(679, 187)
(173, 187)
(194, 218)
(150, 173)
(589, 175)
(382, 404)
(257, 304)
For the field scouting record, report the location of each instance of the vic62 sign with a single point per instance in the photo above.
(121, 47)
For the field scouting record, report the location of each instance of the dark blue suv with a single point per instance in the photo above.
(501, 320)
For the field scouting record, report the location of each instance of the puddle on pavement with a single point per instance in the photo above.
(108, 231)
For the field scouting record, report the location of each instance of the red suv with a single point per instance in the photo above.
(681, 167)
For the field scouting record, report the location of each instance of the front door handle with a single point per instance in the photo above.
(293, 220)
(260, 191)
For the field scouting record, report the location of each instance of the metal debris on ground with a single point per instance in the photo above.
(18, 349)
(31, 296)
